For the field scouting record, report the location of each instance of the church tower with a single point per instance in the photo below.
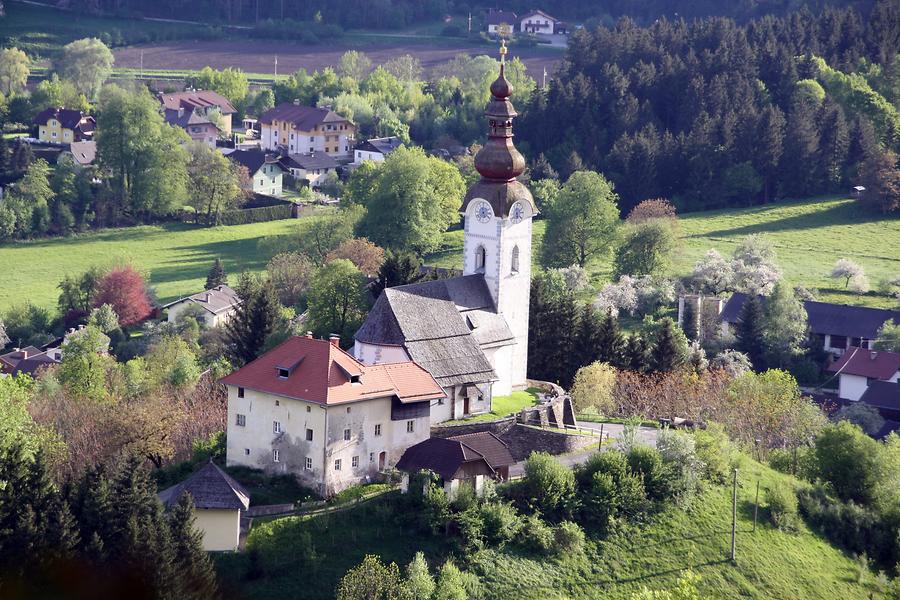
(498, 210)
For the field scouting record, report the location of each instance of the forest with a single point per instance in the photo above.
(712, 113)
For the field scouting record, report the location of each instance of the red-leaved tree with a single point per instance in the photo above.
(123, 288)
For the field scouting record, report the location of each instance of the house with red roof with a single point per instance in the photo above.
(291, 128)
(310, 409)
(859, 368)
(205, 115)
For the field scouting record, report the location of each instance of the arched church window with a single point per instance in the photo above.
(479, 259)
(515, 260)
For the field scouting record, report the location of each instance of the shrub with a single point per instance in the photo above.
(782, 503)
(535, 535)
(647, 462)
(609, 490)
(470, 525)
(270, 539)
(465, 498)
(549, 486)
(435, 508)
(568, 538)
(501, 522)
(849, 460)
(255, 215)
(678, 451)
(800, 462)
(714, 450)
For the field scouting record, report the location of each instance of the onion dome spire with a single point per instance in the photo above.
(499, 160)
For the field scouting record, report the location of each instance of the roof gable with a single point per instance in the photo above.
(209, 487)
(304, 118)
(253, 159)
(319, 371)
(876, 364)
(203, 99)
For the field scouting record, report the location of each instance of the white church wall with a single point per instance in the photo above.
(501, 359)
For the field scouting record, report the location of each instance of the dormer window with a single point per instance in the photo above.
(355, 379)
(283, 373)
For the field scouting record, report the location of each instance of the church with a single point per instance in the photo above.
(470, 332)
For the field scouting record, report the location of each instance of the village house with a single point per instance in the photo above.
(375, 149)
(470, 332)
(217, 305)
(204, 115)
(462, 460)
(64, 126)
(834, 327)
(858, 368)
(498, 20)
(539, 22)
(218, 503)
(28, 360)
(308, 408)
(265, 170)
(290, 129)
(312, 168)
(81, 154)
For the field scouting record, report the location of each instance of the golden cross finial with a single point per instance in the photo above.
(503, 51)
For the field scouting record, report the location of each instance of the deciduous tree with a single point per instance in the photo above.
(87, 63)
(336, 302)
(14, 68)
(367, 257)
(124, 290)
(582, 222)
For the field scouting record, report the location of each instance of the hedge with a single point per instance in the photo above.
(255, 215)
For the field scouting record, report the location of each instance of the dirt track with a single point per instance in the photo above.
(259, 57)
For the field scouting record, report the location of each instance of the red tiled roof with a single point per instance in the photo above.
(867, 363)
(198, 99)
(321, 372)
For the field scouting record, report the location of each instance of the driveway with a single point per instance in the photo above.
(645, 435)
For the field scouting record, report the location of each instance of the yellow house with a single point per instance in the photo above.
(295, 129)
(218, 502)
(64, 126)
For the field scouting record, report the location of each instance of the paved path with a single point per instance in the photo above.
(646, 435)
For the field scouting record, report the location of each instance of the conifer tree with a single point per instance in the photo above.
(216, 276)
(196, 577)
(398, 268)
(667, 353)
(637, 355)
(690, 321)
(611, 344)
(750, 332)
(254, 319)
(587, 337)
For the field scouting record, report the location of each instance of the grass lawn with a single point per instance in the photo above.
(176, 256)
(504, 406)
(809, 237)
(770, 563)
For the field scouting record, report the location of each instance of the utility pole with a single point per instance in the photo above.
(756, 506)
(734, 517)
(470, 22)
(142, 64)
(276, 66)
(544, 80)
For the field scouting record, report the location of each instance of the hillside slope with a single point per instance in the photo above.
(770, 564)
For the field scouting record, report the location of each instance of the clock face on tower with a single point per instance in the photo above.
(517, 213)
(483, 212)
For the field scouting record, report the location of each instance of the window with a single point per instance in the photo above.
(247, 451)
(440, 401)
(371, 457)
(347, 435)
(240, 392)
(354, 462)
(278, 403)
(479, 259)
(838, 341)
(515, 259)
(241, 420)
(283, 373)
(276, 426)
(262, 182)
(308, 464)
(378, 430)
(337, 464)
(276, 457)
(312, 139)
(309, 435)
(410, 426)
(309, 409)
(310, 150)
(348, 410)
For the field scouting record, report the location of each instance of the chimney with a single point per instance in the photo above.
(335, 339)
(308, 335)
(874, 355)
